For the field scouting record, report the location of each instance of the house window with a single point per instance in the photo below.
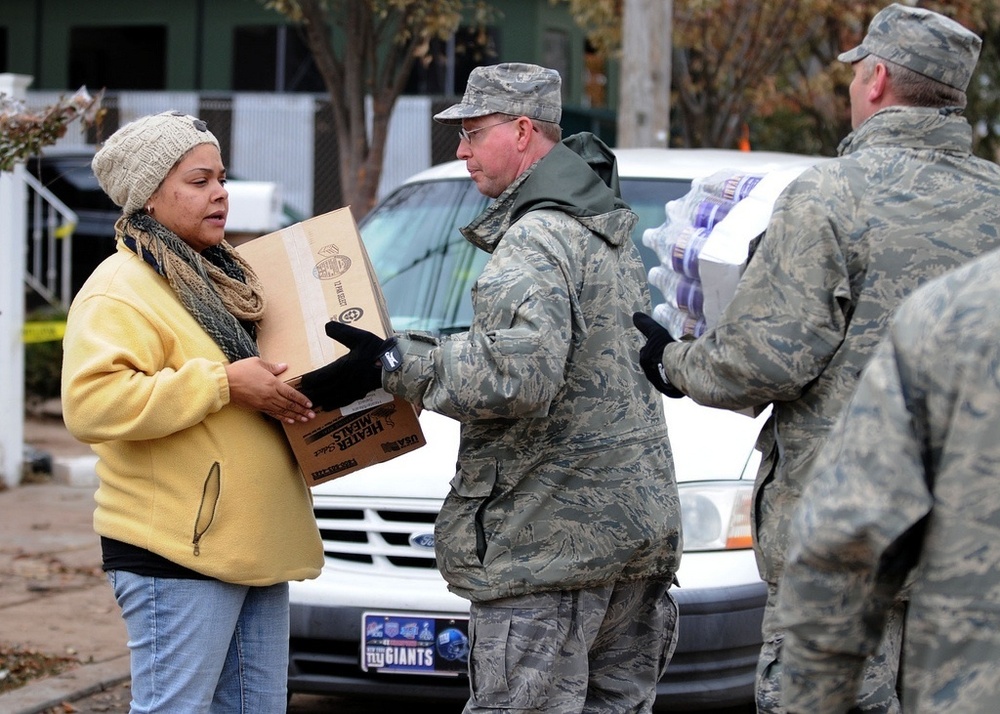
(445, 68)
(595, 78)
(270, 58)
(555, 55)
(130, 57)
(273, 58)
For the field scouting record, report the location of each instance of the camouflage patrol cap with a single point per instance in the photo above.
(511, 88)
(923, 41)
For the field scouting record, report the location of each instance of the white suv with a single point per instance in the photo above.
(380, 583)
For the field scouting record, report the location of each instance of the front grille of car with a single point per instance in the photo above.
(379, 536)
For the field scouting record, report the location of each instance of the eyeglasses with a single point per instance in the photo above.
(465, 135)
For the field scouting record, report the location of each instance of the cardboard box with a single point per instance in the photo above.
(313, 272)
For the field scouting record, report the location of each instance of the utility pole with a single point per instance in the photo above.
(13, 232)
(644, 95)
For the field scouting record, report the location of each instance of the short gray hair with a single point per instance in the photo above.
(550, 130)
(913, 88)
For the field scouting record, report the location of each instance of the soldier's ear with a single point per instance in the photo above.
(880, 84)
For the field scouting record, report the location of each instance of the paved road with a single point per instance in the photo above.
(115, 702)
(306, 704)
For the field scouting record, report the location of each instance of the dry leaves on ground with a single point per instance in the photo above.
(20, 666)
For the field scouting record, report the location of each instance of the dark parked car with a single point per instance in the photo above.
(67, 174)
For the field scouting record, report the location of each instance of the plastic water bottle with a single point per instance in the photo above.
(685, 250)
(679, 323)
(710, 210)
(655, 238)
(661, 239)
(711, 198)
(677, 246)
(680, 292)
(726, 185)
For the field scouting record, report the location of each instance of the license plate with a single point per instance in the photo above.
(406, 643)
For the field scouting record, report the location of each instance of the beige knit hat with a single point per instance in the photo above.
(135, 159)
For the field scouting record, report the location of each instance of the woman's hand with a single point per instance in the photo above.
(254, 383)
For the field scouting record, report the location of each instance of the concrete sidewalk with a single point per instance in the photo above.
(54, 599)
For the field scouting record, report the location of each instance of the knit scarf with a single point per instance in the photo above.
(217, 286)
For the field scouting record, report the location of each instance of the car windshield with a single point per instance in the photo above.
(424, 264)
(426, 267)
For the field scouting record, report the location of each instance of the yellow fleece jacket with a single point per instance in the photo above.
(183, 472)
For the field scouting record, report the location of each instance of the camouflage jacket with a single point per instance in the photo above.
(847, 241)
(906, 491)
(565, 477)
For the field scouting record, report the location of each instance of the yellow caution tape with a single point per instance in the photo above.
(43, 331)
(66, 229)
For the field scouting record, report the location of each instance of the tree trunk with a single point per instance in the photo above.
(644, 100)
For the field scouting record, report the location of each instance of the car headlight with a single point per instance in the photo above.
(715, 515)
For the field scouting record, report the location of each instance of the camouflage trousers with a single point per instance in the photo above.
(599, 649)
(878, 693)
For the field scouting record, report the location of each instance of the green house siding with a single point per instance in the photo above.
(197, 37)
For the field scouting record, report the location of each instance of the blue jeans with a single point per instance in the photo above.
(204, 646)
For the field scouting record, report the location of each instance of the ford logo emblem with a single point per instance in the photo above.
(422, 540)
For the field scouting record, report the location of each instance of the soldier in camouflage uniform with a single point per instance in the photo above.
(905, 202)
(562, 524)
(906, 491)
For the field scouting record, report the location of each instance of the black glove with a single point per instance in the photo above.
(651, 355)
(352, 376)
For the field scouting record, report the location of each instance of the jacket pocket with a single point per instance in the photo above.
(477, 481)
(206, 509)
(475, 478)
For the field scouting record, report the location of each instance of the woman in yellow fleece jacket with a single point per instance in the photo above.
(202, 512)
